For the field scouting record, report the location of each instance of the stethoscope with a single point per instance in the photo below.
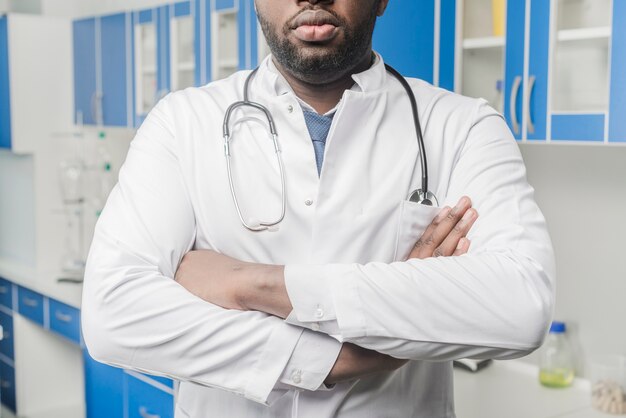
(421, 195)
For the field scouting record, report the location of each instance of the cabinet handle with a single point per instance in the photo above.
(63, 317)
(96, 107)
(143, 411)
(4, 290)
(93, 106)
(32, 303)
(517, 82)
(531, 86)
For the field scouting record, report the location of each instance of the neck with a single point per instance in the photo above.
(323, 95)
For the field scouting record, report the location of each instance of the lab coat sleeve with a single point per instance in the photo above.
(134, 314)
(495, 302)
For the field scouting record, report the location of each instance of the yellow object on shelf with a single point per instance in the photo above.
(498, 11)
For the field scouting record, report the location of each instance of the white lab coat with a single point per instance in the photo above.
(344, 251)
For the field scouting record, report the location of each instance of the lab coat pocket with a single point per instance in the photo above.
(414, 219)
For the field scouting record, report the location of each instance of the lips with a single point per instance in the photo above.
(315, 26)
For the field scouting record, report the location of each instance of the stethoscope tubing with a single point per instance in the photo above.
(262, 226)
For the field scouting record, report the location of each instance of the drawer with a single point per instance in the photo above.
(65, 320)
(6, 293)
(104, 389)
(30, 304)
(6, 345)
(146, 401)
(7, 385)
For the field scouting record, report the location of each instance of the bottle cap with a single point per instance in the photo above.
(557, 327)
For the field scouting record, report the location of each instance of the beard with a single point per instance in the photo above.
(320, 63)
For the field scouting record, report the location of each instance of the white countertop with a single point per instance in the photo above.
(44, 282)
(511, 389)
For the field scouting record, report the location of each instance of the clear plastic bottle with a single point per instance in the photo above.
(557, 359)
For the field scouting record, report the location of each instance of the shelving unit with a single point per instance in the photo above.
(580, 67)
(485, 42)
(182, 52)
(145, 66)
(481, 52)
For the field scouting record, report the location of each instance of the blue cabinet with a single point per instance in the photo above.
(30, 305)
(102, 70)
(617, 103)
(165, 54)
(7, 385)
(526, 96)
(64, 320)
(147, 397)
(405, 35)
(104, 389)
(557, 72)
(6, 344)
(5, 87)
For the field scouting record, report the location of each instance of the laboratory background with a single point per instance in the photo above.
(78, 77)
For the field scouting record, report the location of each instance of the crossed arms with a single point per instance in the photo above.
(235, 284)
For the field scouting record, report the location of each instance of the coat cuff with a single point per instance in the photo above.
(273, 360)
(313, 358)
(325, 297)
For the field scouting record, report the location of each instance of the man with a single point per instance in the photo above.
(335, 311)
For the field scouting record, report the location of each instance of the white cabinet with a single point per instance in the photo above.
(35, 58)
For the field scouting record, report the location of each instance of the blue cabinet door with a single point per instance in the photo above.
(163, 51)
(5, 97)
(7, 385)
(84, 36)
(202, 38)
(146, 400)
(6, 344)
(617, 105)
(115, 41)
(104, 394)
(514, 68)
(538, 70)
(404, 37)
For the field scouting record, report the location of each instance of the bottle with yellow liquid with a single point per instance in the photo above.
(557, 359)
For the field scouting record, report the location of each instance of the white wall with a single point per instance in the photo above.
(582, 192)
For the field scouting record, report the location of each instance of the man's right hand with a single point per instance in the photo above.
(444, 237)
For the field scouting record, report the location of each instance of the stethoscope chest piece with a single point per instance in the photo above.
(426, 199)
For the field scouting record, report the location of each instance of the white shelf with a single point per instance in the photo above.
(584, 34)
(486, 42)
(186, 66)
(149, 70)
(228, 63)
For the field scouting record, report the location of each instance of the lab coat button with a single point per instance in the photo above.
(308, 202)
(319, 313)
(290, 109)
(296, 376)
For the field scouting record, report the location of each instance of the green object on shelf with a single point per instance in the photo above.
(556, 378)
(102, 135)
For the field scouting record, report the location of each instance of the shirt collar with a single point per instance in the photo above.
(371, 79)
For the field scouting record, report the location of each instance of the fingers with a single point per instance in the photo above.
(463, 247)
(458, 232)
(443, 236)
